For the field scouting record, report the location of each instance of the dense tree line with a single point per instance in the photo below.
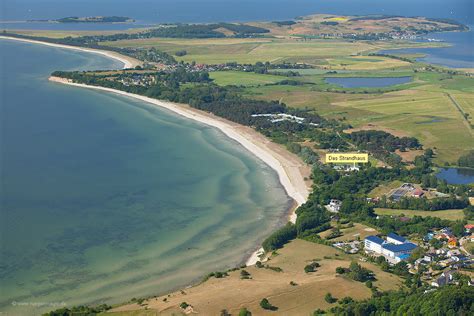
(467, 160)
(79, 310)
(436, 204)
(448, 300)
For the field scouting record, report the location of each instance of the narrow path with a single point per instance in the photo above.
(460, 110)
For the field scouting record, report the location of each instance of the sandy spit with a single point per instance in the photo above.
(128, 62)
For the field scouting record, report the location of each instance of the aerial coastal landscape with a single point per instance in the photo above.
(237, 158)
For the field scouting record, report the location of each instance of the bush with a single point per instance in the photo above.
(184, 305)
(311, 267)
(265, 304)
(244, 312)
(181, 53)
(340, 270)
(329, 298)
(244, 274)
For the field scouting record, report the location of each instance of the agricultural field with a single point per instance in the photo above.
(233, 293)
(240, 78)
(443, 214)
(331, 54)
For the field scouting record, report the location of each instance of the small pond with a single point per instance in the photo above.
(367, 82)
(456, 175)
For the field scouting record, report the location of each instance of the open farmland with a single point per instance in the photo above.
(239, 78)
(330, 53)
(233, 293)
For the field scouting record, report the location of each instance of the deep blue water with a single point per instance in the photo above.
(456, 176)
(366, 82)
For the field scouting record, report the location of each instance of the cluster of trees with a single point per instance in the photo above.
(279, 237)
(467, 160)
(284, 23)
(356, 272)
(448, 300)
(267, 67)
(381, 144)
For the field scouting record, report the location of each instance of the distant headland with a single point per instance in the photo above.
(89, 19)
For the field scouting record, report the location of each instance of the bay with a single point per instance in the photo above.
(104, 198)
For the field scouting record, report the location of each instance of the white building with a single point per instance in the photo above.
(373, 243)
(334, 206)
(394, 249)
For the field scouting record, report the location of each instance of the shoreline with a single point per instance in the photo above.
(290, 169)
(128, 62)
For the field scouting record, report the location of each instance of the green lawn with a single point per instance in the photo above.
(239, 78)
(443, 214)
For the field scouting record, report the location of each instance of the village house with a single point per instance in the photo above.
(334, 206)
(418, 193)
(444, 279)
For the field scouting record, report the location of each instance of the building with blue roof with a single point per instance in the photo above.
(395, 239)
(394, 249)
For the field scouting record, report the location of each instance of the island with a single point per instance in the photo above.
(89, 19)
(383, 236)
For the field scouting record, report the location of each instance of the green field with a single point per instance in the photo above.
(443, 214)
(337, 54)
(240, 78)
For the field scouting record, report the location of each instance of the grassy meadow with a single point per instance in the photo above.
(233, 293)
(452, 215)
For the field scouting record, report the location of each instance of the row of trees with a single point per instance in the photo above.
(436, 204)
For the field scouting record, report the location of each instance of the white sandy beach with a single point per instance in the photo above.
(289, 167)
(128, 62)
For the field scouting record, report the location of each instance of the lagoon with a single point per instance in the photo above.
(456, 175)
(460, 53)
(367, 82)
(104, 198)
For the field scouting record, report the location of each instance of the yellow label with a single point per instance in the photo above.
(347, 158)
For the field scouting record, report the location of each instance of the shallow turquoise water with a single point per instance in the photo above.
(104, 198)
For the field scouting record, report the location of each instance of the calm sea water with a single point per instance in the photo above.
(459, 55)
(104, 198)
(366, 82)
(146, 11)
